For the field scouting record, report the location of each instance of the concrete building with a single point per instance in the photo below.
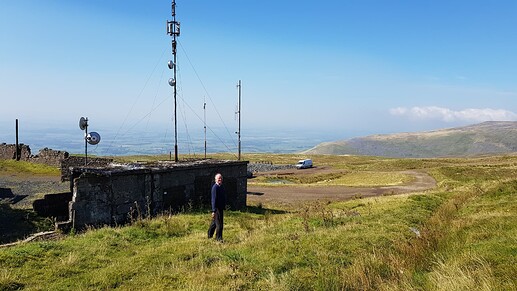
(114, 194)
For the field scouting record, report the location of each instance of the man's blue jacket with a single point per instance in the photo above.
(218, 197)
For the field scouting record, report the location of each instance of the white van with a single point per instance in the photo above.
(304, 164)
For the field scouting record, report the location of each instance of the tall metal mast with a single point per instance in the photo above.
(173, 29)
(239, 112)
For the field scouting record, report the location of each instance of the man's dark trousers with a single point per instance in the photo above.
(216, 226)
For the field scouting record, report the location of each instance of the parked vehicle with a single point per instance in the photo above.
(304, 164)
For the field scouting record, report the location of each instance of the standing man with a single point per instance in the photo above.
(218, 204)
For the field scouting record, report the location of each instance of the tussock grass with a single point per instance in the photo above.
(459, 236)
(466, 272)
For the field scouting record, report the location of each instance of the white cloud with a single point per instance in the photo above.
(448, 115)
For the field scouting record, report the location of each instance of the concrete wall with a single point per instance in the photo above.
(112, 196)
(53, 205)
(74, 162)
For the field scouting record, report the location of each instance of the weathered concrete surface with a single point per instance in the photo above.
(118, 193)
(77, 162)
(53, 205)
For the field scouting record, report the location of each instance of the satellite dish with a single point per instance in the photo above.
(170, 64)
(83, 123)
(93, 138)
(172, 82)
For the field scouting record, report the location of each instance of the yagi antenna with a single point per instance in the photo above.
(92, 138)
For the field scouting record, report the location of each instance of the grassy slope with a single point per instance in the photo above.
(483, 138)
(467, 230)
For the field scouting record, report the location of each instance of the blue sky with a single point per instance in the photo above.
(348, 67)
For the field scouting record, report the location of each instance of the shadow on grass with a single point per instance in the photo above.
(17, 224)
(261, 210)
(7, 195)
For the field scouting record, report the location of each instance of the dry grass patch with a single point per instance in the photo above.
(370, 179)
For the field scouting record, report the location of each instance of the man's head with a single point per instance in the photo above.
(218, 179)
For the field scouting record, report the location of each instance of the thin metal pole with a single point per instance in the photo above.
(239, 131)
(17, 154)
(86, 145)
(204, 120)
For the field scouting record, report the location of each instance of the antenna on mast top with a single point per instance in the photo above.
(173, 29)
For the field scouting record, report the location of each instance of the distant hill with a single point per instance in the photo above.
(492, 137)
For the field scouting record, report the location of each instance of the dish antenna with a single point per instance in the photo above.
(92, 138)
(83, 123)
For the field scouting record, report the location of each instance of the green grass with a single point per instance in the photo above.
(352, 179)
(371, 179)
(467, 240)
(27, 168)
(20, 223)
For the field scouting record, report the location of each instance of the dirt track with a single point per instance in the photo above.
(22, 191)
(290, 195)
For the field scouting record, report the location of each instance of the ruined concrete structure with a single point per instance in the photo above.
(45, 156)
(53, 205)
(115, 194)
(103, 193)
(76, 162)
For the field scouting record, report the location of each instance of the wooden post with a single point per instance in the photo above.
(17, 150)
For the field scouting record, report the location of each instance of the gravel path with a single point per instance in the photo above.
(21, 191)
(294, 195)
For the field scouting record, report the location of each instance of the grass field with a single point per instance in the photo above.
(21, 168)
(462, 235)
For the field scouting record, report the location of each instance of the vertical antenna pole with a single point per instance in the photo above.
(204, 119)
(239, 112)
(175, 103)
(173, 29)
(86, 144)
(17, 154)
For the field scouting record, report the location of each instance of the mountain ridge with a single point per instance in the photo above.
(491, 137)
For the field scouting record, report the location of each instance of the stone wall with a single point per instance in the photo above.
(114, 195)
(45, 156)
(8, 152)
(49, 157)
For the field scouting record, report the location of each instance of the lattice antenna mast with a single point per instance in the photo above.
(173, 29)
